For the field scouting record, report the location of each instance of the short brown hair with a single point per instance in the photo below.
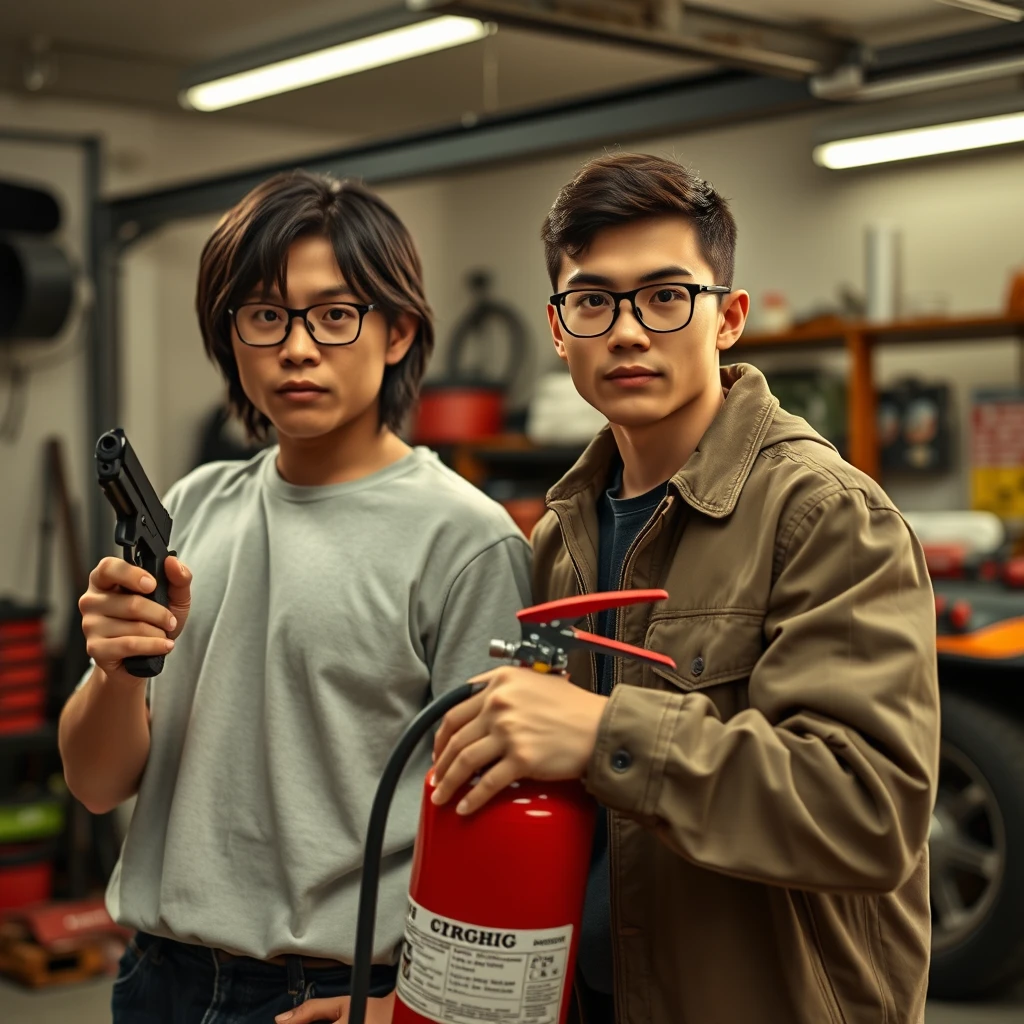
(373, 248)
(626, 187)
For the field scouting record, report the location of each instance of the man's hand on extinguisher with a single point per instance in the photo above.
(335, 1011)
(524, 725)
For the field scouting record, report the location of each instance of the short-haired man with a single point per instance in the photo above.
(763, 856)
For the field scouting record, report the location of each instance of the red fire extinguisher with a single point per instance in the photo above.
(496, 899)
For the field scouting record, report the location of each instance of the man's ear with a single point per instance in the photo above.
(400, 338)
(732, 316)
(556, 333)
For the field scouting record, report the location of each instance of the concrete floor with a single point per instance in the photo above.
(89, 1004)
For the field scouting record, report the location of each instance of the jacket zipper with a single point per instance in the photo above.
(613, 889)
(582, 586)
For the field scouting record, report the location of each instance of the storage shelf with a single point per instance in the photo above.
(859, 338)
(835, 332)
(516, 456)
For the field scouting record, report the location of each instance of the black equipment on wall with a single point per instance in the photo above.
(914, 427)
(37, 280)
(36, 288)
(33, 211)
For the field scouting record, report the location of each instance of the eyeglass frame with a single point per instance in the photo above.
(558, 301)
(362, 308)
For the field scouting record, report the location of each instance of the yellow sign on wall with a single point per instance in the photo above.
(997, 453)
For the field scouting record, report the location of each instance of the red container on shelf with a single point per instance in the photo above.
(455, 413)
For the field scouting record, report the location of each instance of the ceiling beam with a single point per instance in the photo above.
(685, 105)
(667, 26)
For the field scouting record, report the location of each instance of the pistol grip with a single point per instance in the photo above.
(145, 667)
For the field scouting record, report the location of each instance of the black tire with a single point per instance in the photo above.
(982, 949)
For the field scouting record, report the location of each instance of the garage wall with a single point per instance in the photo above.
(801, 232)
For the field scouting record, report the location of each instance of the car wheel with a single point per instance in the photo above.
(976, 849)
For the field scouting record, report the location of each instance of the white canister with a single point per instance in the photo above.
(882, 273)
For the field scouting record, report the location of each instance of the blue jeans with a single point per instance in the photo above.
(165, 982)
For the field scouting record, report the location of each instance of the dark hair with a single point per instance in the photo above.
(626, 187)
(374, 251)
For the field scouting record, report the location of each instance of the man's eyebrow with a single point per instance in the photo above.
(672, 271)
(581, 277)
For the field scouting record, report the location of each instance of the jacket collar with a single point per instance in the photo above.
(714, 475)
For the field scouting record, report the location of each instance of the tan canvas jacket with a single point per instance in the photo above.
(770, 799)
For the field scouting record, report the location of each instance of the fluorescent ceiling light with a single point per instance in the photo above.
(334, 62)
(911, 143)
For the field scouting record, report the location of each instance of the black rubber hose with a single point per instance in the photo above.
(367, 917)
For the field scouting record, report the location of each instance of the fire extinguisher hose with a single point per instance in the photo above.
(368, 886)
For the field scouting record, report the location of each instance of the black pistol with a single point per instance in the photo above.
(143, 525)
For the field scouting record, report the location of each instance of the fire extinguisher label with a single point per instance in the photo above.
(454, 972)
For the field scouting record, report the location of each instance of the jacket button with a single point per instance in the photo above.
(621, 760)
(697, 666)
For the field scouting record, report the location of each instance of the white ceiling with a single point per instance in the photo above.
(133, 52)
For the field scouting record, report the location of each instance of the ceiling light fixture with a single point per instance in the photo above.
(323, 65)
(913, 143)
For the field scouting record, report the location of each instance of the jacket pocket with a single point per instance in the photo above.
(708, 647)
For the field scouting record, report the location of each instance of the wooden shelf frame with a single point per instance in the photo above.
(859, 339)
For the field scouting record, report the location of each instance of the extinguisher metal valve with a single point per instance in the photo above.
(550, 633)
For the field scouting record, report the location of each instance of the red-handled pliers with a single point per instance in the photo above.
(549, 632)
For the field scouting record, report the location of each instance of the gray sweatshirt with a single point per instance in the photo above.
(322, 620)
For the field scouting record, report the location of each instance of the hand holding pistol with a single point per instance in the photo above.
(143, 527)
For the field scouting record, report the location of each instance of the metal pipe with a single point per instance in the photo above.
(847, 84)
